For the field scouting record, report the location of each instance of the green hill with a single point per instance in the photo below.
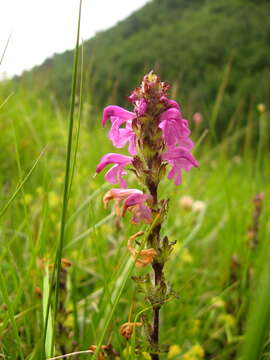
(188, 42)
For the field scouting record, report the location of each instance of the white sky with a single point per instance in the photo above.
(40, 28)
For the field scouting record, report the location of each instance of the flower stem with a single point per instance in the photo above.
(154, 241)
(158, 274)
(155, 334)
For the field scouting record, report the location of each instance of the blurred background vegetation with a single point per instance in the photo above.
(196, 45)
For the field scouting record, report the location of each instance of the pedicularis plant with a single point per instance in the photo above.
(158, 138)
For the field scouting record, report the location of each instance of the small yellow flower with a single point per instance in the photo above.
(194, 353)
(217, 302)
(227, 319)
(174, 351)
(59, 179)
(198, 350)
(54, 200)
(40, 190)
(186, 256)
(27, 199)
(69, 321)
(261, 108)
(146, 355)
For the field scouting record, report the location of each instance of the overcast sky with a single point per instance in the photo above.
(40, 28)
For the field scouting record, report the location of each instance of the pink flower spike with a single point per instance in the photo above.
(113, 111)
(134, 200)
(180, 159)
(116, 173)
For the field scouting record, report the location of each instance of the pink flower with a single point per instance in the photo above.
(134, 201)
(175, 128)
(180, 159)
(169, 103)
(120, 136)
(116, 173)
(197, 118)
(113, 111)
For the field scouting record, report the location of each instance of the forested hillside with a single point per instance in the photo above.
(201, 46)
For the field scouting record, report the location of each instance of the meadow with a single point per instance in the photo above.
(219, 218)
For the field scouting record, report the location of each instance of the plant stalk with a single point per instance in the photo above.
(154, 241)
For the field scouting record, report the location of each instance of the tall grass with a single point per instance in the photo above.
(67, 188)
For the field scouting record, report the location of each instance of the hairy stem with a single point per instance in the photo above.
(154, 241)
(158, 273)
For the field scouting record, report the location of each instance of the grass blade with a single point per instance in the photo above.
(45, 302)
(259, 317)
(5, 296)
(20, 186)
(67, 178)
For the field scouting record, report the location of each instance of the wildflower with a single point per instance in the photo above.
(120, 136)
(186, 256)
(186, 202)
(217, 302)
(261, 108)
(194, 353)
(40, 190)
(126, 329)
(197, 118)
(145, 257)
(38, 292)
(65, 263)
(198, 206)
(174, 350)
(27, 199)
(101, 355)
(175, 129)
(114, 112)
(133, 200)
(169, 103)
(157, 136)
(227, 319)
(180, 159)
(146, 355)
(116, 173)
(54, 199)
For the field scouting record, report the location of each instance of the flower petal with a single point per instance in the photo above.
(112, 111)
(113, 158)
(180, 159)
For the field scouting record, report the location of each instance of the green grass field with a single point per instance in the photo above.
(219, 268)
